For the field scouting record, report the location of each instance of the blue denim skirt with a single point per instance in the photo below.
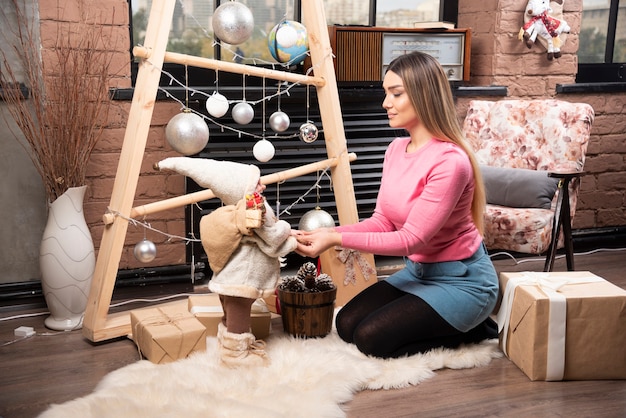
(463, 292)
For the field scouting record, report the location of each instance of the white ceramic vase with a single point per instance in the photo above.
(67, 261)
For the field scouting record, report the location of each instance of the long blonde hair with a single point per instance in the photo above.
(428, 88)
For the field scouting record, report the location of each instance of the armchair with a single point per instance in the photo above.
(532, 154)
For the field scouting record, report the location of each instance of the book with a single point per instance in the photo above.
(434, 25)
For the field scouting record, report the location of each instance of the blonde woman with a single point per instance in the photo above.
(429, 210)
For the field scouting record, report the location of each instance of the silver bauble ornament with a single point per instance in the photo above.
(263, 150)
(187, 133)
(233, 23)
(243, 113)
(217, 105)
(308, 132)
(145, 251)
(316, 218)
(279, 121)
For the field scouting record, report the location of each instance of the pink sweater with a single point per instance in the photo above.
(423, 209)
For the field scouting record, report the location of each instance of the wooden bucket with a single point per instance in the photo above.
(307, 314)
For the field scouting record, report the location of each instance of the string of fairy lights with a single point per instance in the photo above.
(188, 132)
(213, 99)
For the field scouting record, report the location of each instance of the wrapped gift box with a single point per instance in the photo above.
(167, 333)
(272, 303)
(208, 310)
(351, 271)
(563, 325)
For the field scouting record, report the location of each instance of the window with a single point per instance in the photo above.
(602, 42)
(387, 13)
(191, 31)
(401, 13)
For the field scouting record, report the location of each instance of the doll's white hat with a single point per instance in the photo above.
(228, 180)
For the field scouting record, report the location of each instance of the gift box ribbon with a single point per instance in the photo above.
(257, 307)
(550, 284)
(162, 318)
(205, 309)
(349, 257)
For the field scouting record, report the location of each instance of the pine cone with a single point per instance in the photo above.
(307, 273)
(292, 284)
(324, 282)
(307, 269)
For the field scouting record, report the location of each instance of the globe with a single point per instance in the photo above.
(288, 42)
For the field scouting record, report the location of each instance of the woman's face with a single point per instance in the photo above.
(400, 111)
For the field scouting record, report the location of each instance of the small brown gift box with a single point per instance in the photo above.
(351, 271)
(167, 333)
(272, 303)
(208, 310)
(563, 325)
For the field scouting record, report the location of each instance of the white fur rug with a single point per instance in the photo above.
(306, 378)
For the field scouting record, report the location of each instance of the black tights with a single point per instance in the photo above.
(385, 322)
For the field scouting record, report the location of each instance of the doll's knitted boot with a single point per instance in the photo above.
(240, 350)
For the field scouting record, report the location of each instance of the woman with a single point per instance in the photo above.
(429, 210)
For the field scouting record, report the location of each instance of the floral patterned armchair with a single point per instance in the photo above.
(532, 153)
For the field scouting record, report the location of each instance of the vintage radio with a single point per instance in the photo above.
(362, 53)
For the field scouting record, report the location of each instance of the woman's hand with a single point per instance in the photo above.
(313, 243)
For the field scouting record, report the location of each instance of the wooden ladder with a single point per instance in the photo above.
(98, 323)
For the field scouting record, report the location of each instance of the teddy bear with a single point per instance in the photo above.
(541, 19)
(244, 242)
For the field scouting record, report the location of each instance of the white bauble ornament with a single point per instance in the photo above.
(279, 121)
(217, 105)
(145, 251)
(233, 22)
(187, 133)
(243, 113)
(316, 218)
(308, 132)
(286, 36)
(263, 150)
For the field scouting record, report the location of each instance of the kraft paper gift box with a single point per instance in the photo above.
(563, 325)
(208, 310)
(272, 303)
(167, 333)
(351, 271)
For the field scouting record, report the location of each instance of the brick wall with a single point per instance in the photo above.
(152, 186)
(498, 58)
(102, 167)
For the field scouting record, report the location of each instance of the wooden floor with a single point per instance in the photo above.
(54, 367)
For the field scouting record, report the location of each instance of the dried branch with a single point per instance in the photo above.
(69, 102)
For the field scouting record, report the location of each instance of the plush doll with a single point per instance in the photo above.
(244, 242)
(540, 19)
